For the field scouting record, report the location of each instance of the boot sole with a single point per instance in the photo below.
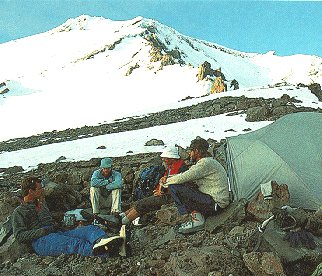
(110, 245)
(191, 230)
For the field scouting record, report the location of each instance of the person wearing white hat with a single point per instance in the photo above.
(174, 165)
(170, 153)
(210, 193)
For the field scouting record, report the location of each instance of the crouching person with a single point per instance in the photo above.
(32, 223)
(106, 185)
(208, 196)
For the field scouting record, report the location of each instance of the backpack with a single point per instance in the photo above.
(148, 179)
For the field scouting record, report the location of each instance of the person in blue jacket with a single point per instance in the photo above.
(106, 188)
(33, 224)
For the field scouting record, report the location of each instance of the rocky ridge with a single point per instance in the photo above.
(257, 109)
(154, 248)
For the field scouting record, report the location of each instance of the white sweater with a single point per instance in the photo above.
(210, 176)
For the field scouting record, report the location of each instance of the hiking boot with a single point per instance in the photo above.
(109, 245)
(109, 222)
(196, 223)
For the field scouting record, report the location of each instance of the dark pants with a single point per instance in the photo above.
(188, 199)
(151, 203)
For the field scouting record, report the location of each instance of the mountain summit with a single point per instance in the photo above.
(91, 70)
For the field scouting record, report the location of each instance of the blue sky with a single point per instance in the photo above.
(250, 26)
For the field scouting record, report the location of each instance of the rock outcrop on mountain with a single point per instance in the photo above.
(316, 90)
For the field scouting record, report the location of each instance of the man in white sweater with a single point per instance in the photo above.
(207, 196)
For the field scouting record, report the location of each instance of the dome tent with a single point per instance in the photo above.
(288, 151)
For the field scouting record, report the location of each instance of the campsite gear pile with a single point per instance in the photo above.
(255, 158)
(294, 221)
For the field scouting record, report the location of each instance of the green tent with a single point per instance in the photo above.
(288, 151)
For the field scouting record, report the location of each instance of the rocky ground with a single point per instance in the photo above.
(228, 246)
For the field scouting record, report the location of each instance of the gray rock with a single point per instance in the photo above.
(258, 113)
(262, 264)
(5, 231)
(154, 142)
(11, 250)
(280, 111)
(204, 260)
(316, 90)
(260, 208)
(233, 214)
(274, 237)
(14, 169)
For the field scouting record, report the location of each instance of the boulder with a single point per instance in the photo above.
(169, 215)
(260, 208)
(280, 111)
(61, 197)
(206, 260)
(258, 113)
(11, 250)
(205, 70)
(154, 142)
(232, 215)
(263, 264)
(14, 169)
(8, 202)
(316, 90)
(274, 238)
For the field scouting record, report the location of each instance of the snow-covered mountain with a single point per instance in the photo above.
(91, 70)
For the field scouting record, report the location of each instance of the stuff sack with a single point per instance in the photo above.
(148, 179)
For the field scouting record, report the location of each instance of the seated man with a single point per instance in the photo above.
(211, 194)
(106, 185)
(32, 223)
(174, 165)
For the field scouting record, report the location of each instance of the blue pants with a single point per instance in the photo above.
(77, 241)
(188, 199)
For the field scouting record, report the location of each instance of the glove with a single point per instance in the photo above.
(300, 238)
